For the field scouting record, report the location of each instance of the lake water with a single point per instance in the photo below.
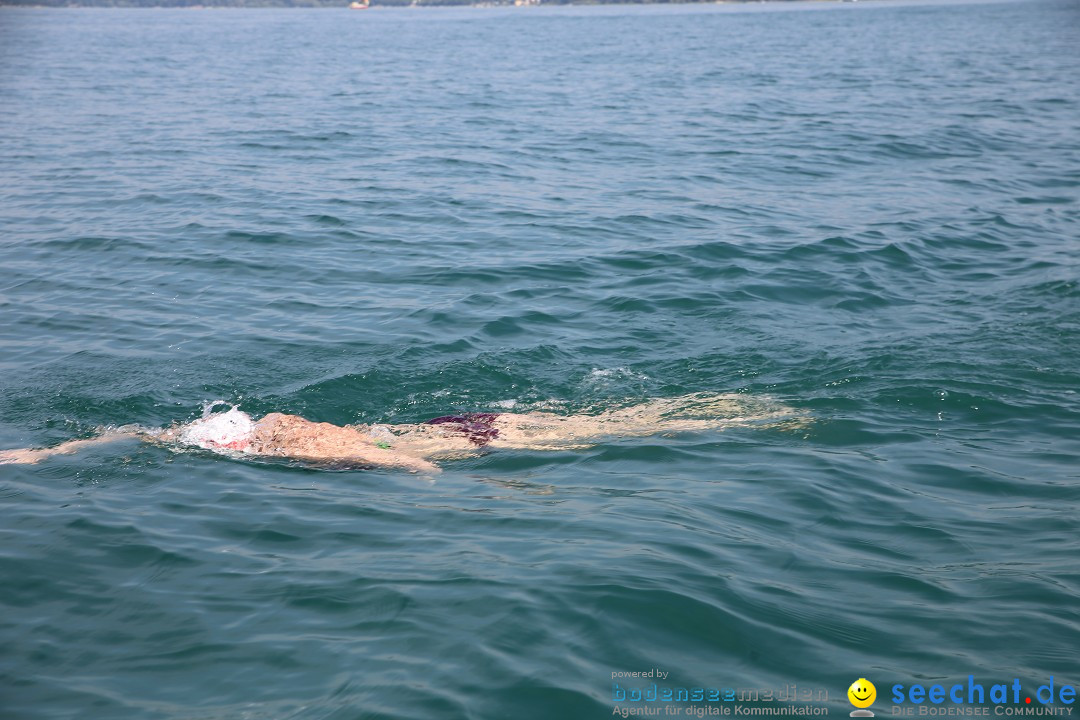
(866, 211)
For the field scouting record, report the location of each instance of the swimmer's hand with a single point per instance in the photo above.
(415, 465)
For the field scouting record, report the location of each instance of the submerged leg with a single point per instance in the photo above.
(700, 411)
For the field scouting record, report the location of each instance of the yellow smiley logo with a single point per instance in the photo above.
(862, 693)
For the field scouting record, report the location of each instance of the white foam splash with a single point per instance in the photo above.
(207, 408)
(231, 429)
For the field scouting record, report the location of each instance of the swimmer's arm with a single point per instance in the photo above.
(30, 456)
(393, 459)
(385, 459)
(378, 457)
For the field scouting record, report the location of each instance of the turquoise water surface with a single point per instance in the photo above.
(868, 212)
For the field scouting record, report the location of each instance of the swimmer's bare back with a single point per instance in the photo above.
(413, 447)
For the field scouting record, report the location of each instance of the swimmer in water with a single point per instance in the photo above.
(413, 447)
